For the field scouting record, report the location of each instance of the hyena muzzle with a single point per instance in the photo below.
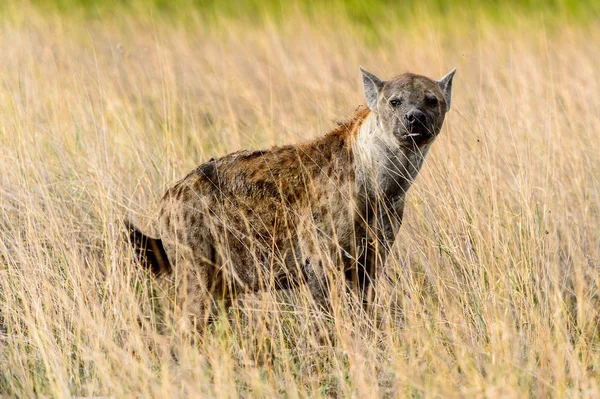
(308, 213)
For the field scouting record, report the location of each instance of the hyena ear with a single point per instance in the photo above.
(446, 86)
(373, 86)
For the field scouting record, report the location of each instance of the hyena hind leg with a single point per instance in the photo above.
(187, 293)
(205, 293)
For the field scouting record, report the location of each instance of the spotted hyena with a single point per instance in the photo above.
(298, 214)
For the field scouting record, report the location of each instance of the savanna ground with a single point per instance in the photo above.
(491, 290)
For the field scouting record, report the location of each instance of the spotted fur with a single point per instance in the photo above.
(277, 218)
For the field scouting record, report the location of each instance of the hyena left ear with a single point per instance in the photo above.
(446, 86)
(373, 86)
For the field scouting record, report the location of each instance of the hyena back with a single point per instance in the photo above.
(290, 215)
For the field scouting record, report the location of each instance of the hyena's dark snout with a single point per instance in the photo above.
(416, 121)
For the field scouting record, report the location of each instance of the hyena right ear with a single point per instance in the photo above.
(373, 86)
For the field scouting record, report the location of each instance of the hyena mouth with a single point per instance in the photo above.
(420, 136)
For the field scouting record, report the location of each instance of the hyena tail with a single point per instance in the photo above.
(150, 251)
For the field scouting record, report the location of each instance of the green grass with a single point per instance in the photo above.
(373, 14)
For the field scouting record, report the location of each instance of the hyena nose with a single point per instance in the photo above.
(415, 118)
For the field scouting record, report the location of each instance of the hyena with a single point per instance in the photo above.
(298, 214)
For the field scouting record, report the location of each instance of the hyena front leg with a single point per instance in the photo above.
(380, 239)
(317, 281)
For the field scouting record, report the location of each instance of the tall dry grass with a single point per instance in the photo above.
(492, 289)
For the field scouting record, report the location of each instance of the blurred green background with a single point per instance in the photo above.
(373, 14)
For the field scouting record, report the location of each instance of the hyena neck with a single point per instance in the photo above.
(383, 167)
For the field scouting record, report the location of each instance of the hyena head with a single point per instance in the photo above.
(410, 108)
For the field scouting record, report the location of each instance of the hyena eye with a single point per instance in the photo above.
(395, 102)
(431, 101)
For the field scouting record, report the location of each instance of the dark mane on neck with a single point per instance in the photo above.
(351, 126)
(336, 143)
